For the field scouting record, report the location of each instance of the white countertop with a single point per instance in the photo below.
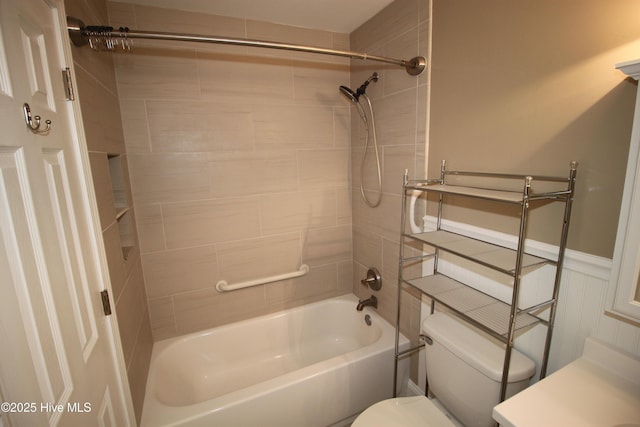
(600, 389)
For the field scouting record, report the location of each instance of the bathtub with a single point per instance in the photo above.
(316, 365)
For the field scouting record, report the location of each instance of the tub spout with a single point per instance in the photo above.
(371, 301)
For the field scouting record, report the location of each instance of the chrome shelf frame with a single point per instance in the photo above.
(497, 318)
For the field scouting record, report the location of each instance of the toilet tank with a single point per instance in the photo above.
(464, 369)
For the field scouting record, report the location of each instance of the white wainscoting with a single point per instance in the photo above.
(581, 302)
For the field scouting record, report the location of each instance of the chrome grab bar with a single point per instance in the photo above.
(223, 286)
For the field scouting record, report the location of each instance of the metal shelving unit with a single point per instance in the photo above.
(495, 317)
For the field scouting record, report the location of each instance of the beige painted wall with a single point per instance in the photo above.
(98, 97)
(239, 162)
(528, 86)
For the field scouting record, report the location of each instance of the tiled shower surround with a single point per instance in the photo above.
(243, 161)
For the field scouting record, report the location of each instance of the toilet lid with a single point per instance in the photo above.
(417, 411)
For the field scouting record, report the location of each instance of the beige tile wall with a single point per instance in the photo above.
(98, 96)
(399, 100)
(240, 166)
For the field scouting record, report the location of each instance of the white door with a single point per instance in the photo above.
(59, 364)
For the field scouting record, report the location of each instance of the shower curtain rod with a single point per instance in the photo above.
(81, 35)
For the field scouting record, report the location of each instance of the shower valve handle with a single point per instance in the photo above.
(373, 280)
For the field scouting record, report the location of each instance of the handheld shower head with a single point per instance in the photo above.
(370, 130)
(355, 96)
(349, 94)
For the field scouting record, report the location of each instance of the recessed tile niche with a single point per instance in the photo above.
(122, 204)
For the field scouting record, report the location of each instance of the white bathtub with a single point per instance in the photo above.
(315, 365)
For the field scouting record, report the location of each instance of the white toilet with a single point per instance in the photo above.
(464, 370)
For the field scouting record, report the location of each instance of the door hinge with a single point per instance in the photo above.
(68, 84)
(106, 303)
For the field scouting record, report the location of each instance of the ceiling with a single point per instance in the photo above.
(341, 16)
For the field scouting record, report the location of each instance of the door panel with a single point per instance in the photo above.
(5, 82)
(58, 351)
(35, 54)
(75, 275)
(31, 282)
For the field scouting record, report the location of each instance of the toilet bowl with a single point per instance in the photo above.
(464, 369)
(416, 411)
